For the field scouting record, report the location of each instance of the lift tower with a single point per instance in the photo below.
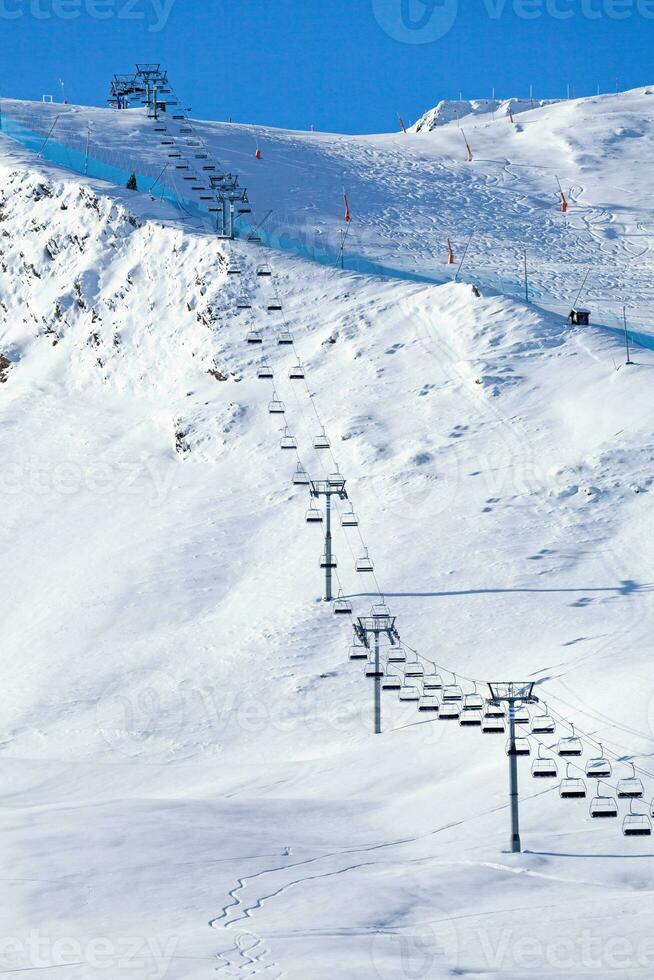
(380, 622)
(334, 485)
(513, 694)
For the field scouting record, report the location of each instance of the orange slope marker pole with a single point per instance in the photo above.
(564, 200)
(450, 258)
(401, 123)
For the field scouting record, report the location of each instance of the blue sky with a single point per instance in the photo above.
(341, 65)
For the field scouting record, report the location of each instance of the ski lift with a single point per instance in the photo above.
(433, 682)
(342, 606)
(521, 715)
(428, 703)
(544, 767)
(263, 271)
(473, 702)
(358, 652)
(313, 515)
(570, 745)
(396, 655)
(379, 610)
(274, 307)
(372, 671)
(254, 337)
(470, 718)
(296, 373)
(328, 561)
(364, 564)
(321, 441)
(265, 372)
(599, 768)
(636, 824)
(492, 725)
(603, 807)
(453, 692)
(522, 747)
(543, 723)
(276, 407)
(349, 518)
(631, 788)
(572, 788)
(409, 693)
(301, 477)
(287, 441)
(243, 304)
(391, 684)
(337, 480)
(449, 712)
(494, 710)
(284, 338)
(413, 670)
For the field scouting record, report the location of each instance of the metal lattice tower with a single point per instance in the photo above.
(379, 623)
(333, 486)
(513, 694)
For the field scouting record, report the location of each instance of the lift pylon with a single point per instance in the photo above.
(332, 486)
(514, 695)
(369, 629)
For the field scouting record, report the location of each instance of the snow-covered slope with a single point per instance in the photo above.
(457, 110)
(189, 765)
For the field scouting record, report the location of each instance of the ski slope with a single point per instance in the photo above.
(192, 786)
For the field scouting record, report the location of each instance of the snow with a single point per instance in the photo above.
(191, 782)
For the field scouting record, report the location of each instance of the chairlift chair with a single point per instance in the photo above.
(321, 441)
(493, 725)
(409, 693)
(413, 670)
(572, 788)
(296, 373)
(494, 710)
(429, 703)
(358, 652)
(569, 745)
(328, 561)
(254, 337)
(379, 610)
(284, 338)
(243, 304)
(599, 768)
(313, 515)
(544, 767)
(636, 824)
(276, 407)
(364, 564)
(342, 606)
(449, 712)
(433, 682)
(470, 718)
(521, 715)
(473, 702)
(349, 519)
(274, 307)
(263, 271)
(287, 441)
(522, 747)
(372, 671)
(631, 788)
(397, 655)
(391, 683)
(543, 723)
(603, 807)
(265, 372)
(301, 477)
(453, 692)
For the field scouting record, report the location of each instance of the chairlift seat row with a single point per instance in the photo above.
(449, 712)
(409, 693)
(428, 703)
